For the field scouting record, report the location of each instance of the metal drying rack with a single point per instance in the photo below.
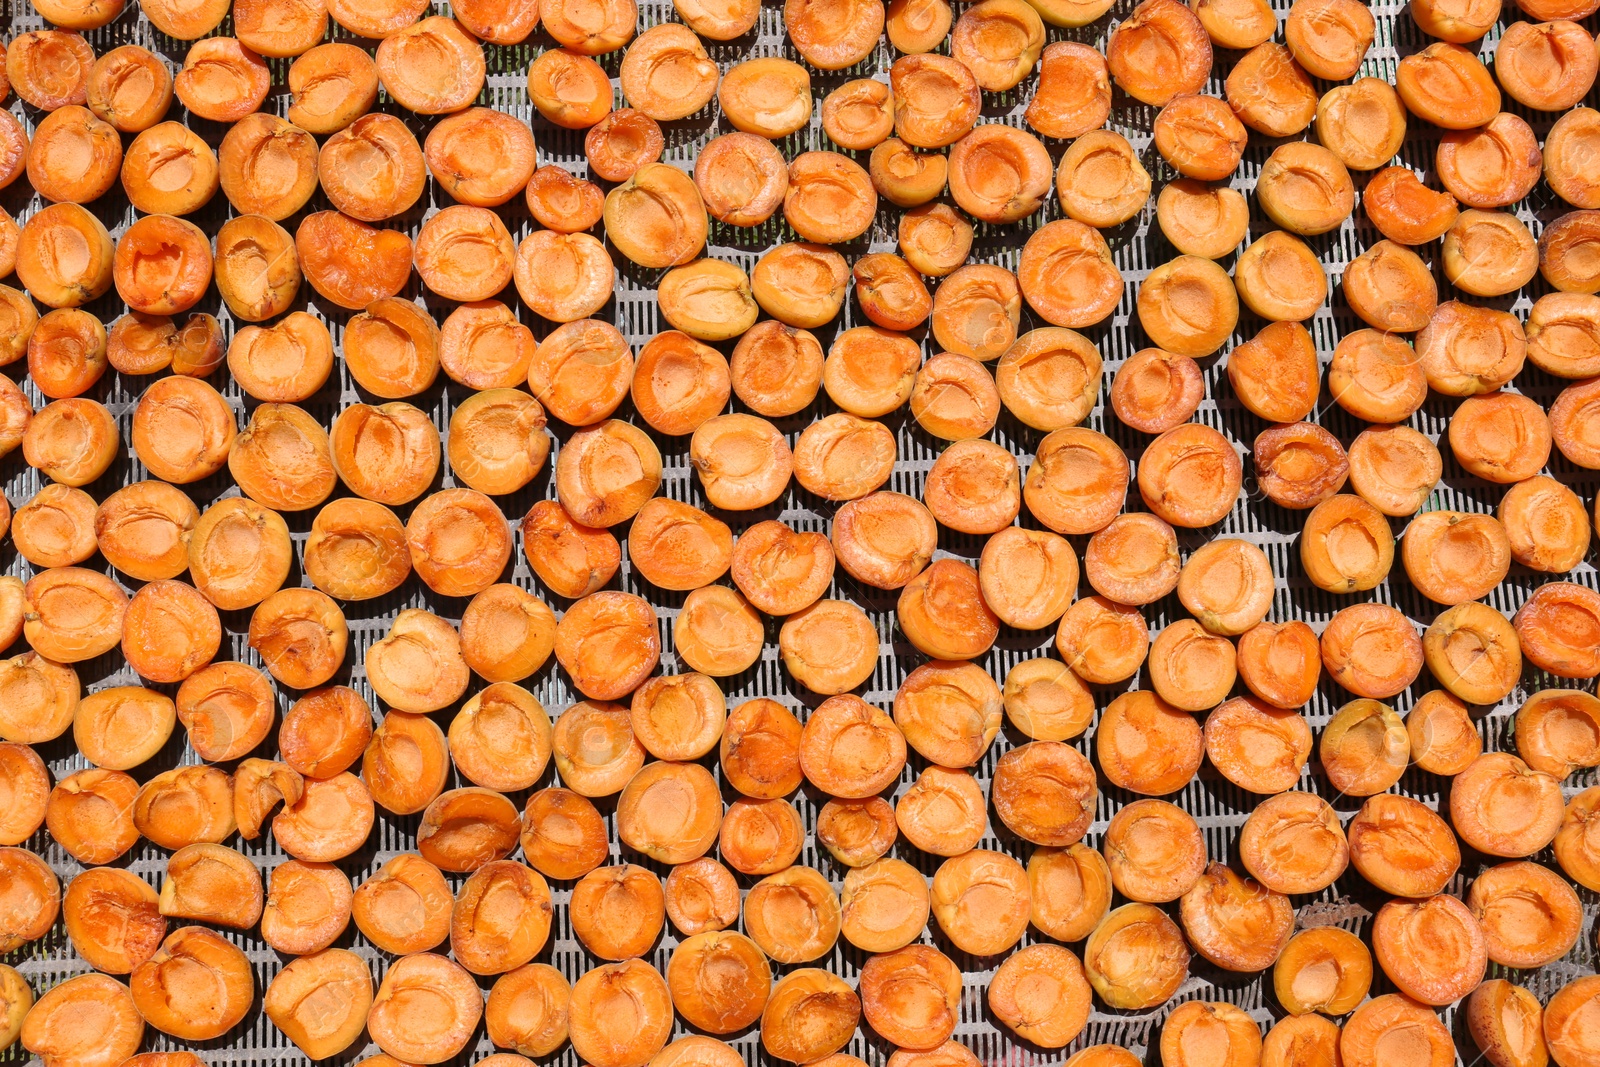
(1219, 807)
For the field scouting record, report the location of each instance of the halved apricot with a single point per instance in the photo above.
(767, 96)
(1448, 86)
(858, 833)
(464, 829)
(26, 781)
(1154, 851)
(1489, 253)
(267, 166)
(621, 142)
(1304, 188)
(1136, 958)
(320, 1001)
(573, 560)
(719, 21)
(1322, 969)
(257, 268)
(1473, 651)
(67, 352)
(332, 85)
(1256, 746)
(608, 643)
(1188, 306)
(1459, 21)
(1216, 1026)
(1502, 806)
(1506, 1023)
(936, 99)
(884, 539)
(1002, 174)
(1329, 37)
(186, 805)
(42, 695)
(332, 819)
(1294, 843)
(227, 708)
(91, 815)
(1571, 426)
(239, 553)
(282, 459)
(719, 981)
(50, 68)
(464, 253)
(1391, 1026)
(1074, 93)
(1363, 123)
(717, 632)
(501, 737)
(425, 1010)
(670, 811)
(1490, 166)
(593, 27)
(1433, 950)
(372, 169)
(388, 453)
(656, 218)
(1279, 278)
(1402, 846)
(1564, 1030)
(1552, 628)
(72, 614)
(858, 115)
(431, 67)
(742, 178)
(1163, 28)
(459, 542)
(906, 177)
(112, 919)
(829, 646)
(356, 550)
(1133, 723)
(1373, 651)
(1200, 136)
(560, 202)
(280, 28)
(1270, 92)
(594, 748)
(1444, 739)
(302, 636)
(1300, 1038)
(404, 906)
(198, 986)
(64, 256)
(527, 1010)
(563, 835)
(1237, 23)
(498, 21)
(416, 668)
(214, 884)
(1102, 641)
(1530, 916)
(1453, 556)
(222, 80)
(90, 1019)
(74, 156)
(507, 634)
(349, 262)
(563, 276)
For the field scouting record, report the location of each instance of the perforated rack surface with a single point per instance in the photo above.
(1219, 807)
